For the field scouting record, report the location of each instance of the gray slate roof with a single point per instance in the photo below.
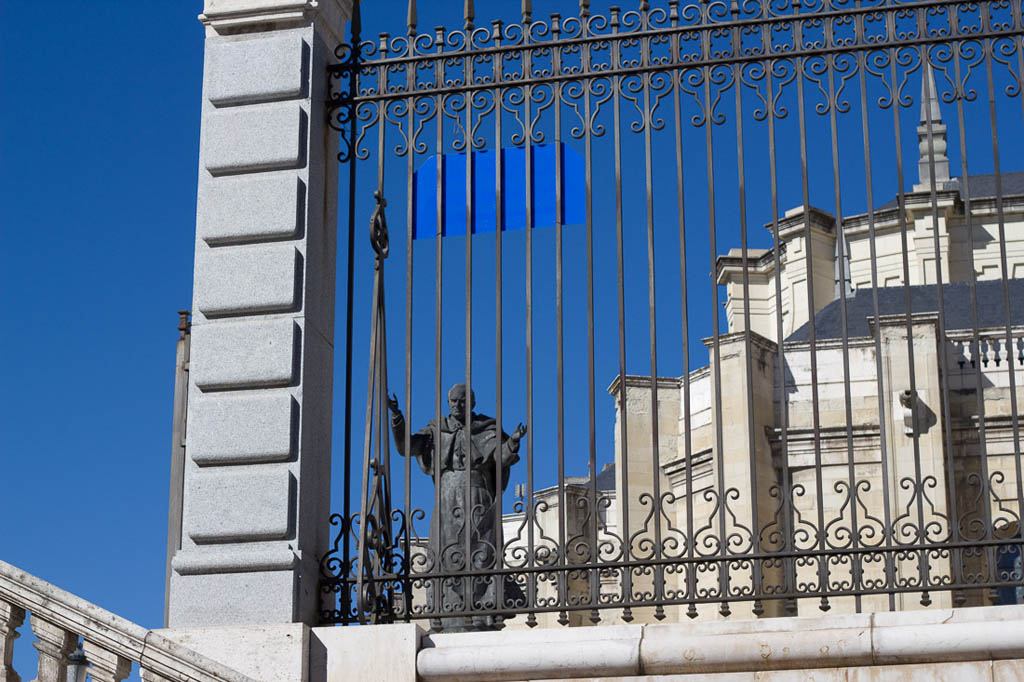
(923, 299)
(982, 187)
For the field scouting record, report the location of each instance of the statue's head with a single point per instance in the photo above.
(457, 401)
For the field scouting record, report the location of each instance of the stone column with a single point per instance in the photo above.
(635, 472)
(258, 438)
(54, 645)
(11, 618)
(925, 463)
(750, 473)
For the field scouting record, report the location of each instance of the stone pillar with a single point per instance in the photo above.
(635, 472)
(54, 645)
(739, 464)
(11, 618)
(258, 439)
(927, 463)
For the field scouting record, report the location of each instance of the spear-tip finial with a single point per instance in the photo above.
(527, 11)
(468, 15)
(411, 18)
(357, 22)
(644, 5)
(584, 8)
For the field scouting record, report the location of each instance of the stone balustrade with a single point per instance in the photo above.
(112, 645)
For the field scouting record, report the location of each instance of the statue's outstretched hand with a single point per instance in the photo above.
(393, 405)
(519, 432)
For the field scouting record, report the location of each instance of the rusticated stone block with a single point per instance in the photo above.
(244, 354)
(250, 208)
(255, 70)
(238, 506)
(254, 138)
(243, 429)
(247, 279)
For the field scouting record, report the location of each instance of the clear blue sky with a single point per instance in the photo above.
(99, 130)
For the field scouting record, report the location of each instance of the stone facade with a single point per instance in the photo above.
(865, 418)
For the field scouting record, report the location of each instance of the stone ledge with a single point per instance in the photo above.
(939, 636)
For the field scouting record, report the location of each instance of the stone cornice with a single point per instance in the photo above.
(644, 381)
(245, 16)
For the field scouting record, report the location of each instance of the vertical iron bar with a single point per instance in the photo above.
(972, 282)
(627, 550)
(658, 569)
(499, 227)
(862, 58)
(531, 598)
(1008, 334)
(469, 583)
(755, 540)
(809, 247)
(941, 332)
(594, 555)
(723, 565)
(410, 208)
(901, 200)
(556, 94)
(689, 546)
(785, 490)
(346, 596)
(440, 216)
(841, 257)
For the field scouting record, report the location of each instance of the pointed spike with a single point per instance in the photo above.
(584, 8)
(644, 5)
(357, 22)
(527, 11)
(468, 14)
(411, 18)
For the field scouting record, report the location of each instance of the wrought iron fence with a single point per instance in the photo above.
(850, 440)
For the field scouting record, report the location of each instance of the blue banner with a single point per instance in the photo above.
(483, 209)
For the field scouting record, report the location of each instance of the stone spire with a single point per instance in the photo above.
(930, 112)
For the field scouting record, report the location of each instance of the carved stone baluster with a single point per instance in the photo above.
(106, 666)
(11, 618)
(54, 645)
(150, 676)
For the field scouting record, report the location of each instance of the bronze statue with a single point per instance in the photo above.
(489, 449)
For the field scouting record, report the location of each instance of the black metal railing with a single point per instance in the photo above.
(843, 435)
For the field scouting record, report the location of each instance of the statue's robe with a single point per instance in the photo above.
(489, 449)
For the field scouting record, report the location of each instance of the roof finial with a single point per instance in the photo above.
(931, 152)
(468, 15)
(411, 18)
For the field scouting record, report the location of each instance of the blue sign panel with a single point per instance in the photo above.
(483, 209)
